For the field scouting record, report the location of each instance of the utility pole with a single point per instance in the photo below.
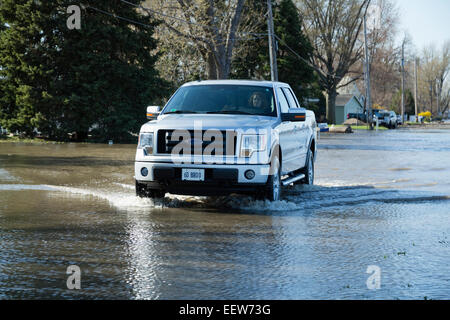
(431, 95)
(415, 88)
(403, 81)
(367, 77)
(438, 93)
(272, 49)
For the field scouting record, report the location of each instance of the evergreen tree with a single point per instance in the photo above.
(61, 81)
(291, 69)
(250, 63)
(288, 28)
(17, 49)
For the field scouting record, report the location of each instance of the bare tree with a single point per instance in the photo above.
(385, 75)
(442, 70)
(433, 78)
(384, 54)
(212, 26)
(179, 60)
(427, 77)
(334, 30)
(445, 98)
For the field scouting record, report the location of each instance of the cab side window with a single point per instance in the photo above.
(284, 105)
(290, 97)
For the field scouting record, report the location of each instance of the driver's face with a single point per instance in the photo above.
(257, 101)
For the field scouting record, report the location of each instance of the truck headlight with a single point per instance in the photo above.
(146, 142)
(252, 143)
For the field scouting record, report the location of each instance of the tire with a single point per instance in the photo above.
(143, 192)
(273, 188)
(308, 171)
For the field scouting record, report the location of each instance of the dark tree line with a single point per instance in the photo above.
(95, 80)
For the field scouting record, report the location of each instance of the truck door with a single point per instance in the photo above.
(288, 142)
(300, 132)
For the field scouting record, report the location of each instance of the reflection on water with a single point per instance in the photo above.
(380, 199)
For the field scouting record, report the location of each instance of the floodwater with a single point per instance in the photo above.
(381, 199)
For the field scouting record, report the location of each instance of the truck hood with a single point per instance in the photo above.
(209, 121)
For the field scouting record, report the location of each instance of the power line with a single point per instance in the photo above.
(256, 37)
(255, 34)
(167, 16)
(304, 60)
(119, 17)
(259, 35)
(185, 21)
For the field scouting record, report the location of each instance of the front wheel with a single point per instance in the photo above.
(273, 188)
(143, 192)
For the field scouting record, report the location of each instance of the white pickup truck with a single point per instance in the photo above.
(226, 136)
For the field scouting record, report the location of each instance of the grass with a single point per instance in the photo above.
(413, 123)
(6, 139)
(360, 127)
(28, 140)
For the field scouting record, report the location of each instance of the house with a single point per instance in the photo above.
(345, 104)
(349, 100)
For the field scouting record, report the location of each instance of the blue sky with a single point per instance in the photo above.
(427, 21)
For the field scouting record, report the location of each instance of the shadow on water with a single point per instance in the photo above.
(17, 161)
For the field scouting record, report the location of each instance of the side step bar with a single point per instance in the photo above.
(292, 179)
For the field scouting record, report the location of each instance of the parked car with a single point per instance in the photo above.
(385, 118)
(226, 136)
(359, 116)
(391, 120)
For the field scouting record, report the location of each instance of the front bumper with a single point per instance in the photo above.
(219, 179)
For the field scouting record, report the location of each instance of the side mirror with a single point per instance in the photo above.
(294, 115)
(153, 112)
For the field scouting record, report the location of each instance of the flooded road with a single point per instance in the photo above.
(381, 199)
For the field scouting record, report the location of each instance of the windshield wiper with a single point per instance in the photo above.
(230, 112)
(181, 111)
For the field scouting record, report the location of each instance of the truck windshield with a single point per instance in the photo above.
(223, 99)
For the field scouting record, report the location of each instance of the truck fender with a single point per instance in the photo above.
(276, 151)
(312, 145)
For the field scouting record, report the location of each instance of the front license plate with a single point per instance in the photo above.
(193, 174)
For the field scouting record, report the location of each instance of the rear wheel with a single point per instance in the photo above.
(143, 191)
(273, 188)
